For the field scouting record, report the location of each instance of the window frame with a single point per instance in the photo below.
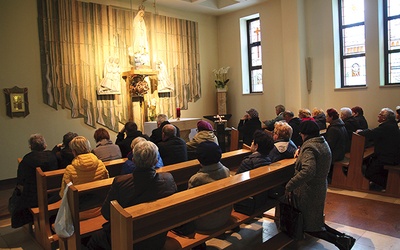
(341, 43)
(250, 45)
(386, 50)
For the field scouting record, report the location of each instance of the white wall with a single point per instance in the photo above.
(20, 66)
(284, 79)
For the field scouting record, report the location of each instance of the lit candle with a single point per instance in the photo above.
(178, 113)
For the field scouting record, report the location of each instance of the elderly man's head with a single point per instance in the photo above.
(385, 115)
(345, 113)
(37, 142)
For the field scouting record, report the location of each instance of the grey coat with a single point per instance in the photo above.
(309, 184)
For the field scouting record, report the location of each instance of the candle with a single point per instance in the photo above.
(178, 113)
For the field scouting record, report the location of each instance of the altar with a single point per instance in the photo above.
(185, 125)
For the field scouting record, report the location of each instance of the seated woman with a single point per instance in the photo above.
(260, 148)
(105, 149)
(85, 167)
(319, 117)
(26, 178)
(209, 155)
(336, 136)
(284, 146)
(205, 133)
(63, 152)
(248, 125)
(305, 115)
(129, 166)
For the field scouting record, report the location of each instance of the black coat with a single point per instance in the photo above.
(337, 138)
(247, 128)
(173, 150)
(125, 143)
(156, 134)
(351, 125)
(362, 121)
(253, 161)
(143, 185)
(386, 138)
(296, 137)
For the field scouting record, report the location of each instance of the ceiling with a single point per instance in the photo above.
(211, 7)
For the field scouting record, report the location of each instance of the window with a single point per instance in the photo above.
(254, 52)
(391, 12)
(352, 43)
(250, 31)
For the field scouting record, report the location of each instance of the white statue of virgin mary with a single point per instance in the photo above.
(140, 46)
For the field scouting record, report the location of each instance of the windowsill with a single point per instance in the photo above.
(351, 88)
(389, 86)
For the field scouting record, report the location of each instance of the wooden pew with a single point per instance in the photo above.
(393, 180)
(48, 183)
(180, 171)
(234, 140)
(184, 170)
(139, 222)
(354, 180)
(82, 228)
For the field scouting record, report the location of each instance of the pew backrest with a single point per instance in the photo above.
(139, 222)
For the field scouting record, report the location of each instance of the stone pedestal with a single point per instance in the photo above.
(221, 102)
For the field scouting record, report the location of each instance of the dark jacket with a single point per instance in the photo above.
(296, 137)
(125, 143)
(26, 180)
(247, 128)
(143, 185)
(351, 125)
(386, 139)
(320, 120)
(173, 150)
(337, 138)
(362, 121)
(64, 156)
(255, 160)
(282, 150)
(156, 134)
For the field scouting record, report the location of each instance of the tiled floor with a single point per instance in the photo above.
(251, 235)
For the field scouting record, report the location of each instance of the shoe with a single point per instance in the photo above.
(352, 242)
(375, 187)
(343, 242)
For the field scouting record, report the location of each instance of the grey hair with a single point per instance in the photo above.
(37, 142)
(346, 112)
(388, 114)
(145, 154)
(161, 118)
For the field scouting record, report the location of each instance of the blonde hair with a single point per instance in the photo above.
(283, 130)
(136, 141)
(317, 111)
(80, 145)
(304, 113)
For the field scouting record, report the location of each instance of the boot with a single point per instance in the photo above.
(343, 242)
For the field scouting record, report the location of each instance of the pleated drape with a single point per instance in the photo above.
(76, 38)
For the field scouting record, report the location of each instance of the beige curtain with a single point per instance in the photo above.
(76, 38)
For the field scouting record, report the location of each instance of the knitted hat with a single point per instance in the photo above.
(203, 125)
(208, 153)
(252, 112)
(309, 128)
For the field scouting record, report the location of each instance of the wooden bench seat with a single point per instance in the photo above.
(354, 180)
(49, 183)
(139, 222)
(82, 228)
(393, 180)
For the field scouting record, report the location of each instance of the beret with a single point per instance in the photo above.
(309, 128)
(208, 153)
(203, 125)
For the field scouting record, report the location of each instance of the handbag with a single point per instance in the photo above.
(291, 219)
(63, 225)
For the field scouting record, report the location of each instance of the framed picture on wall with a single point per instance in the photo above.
(17, 104)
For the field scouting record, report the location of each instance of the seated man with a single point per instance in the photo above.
(172, 148)
(156, 134)
(269, 124)
(124, 142)
(386, 139)
(143, 185)
(350, 122)
(283, 148)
